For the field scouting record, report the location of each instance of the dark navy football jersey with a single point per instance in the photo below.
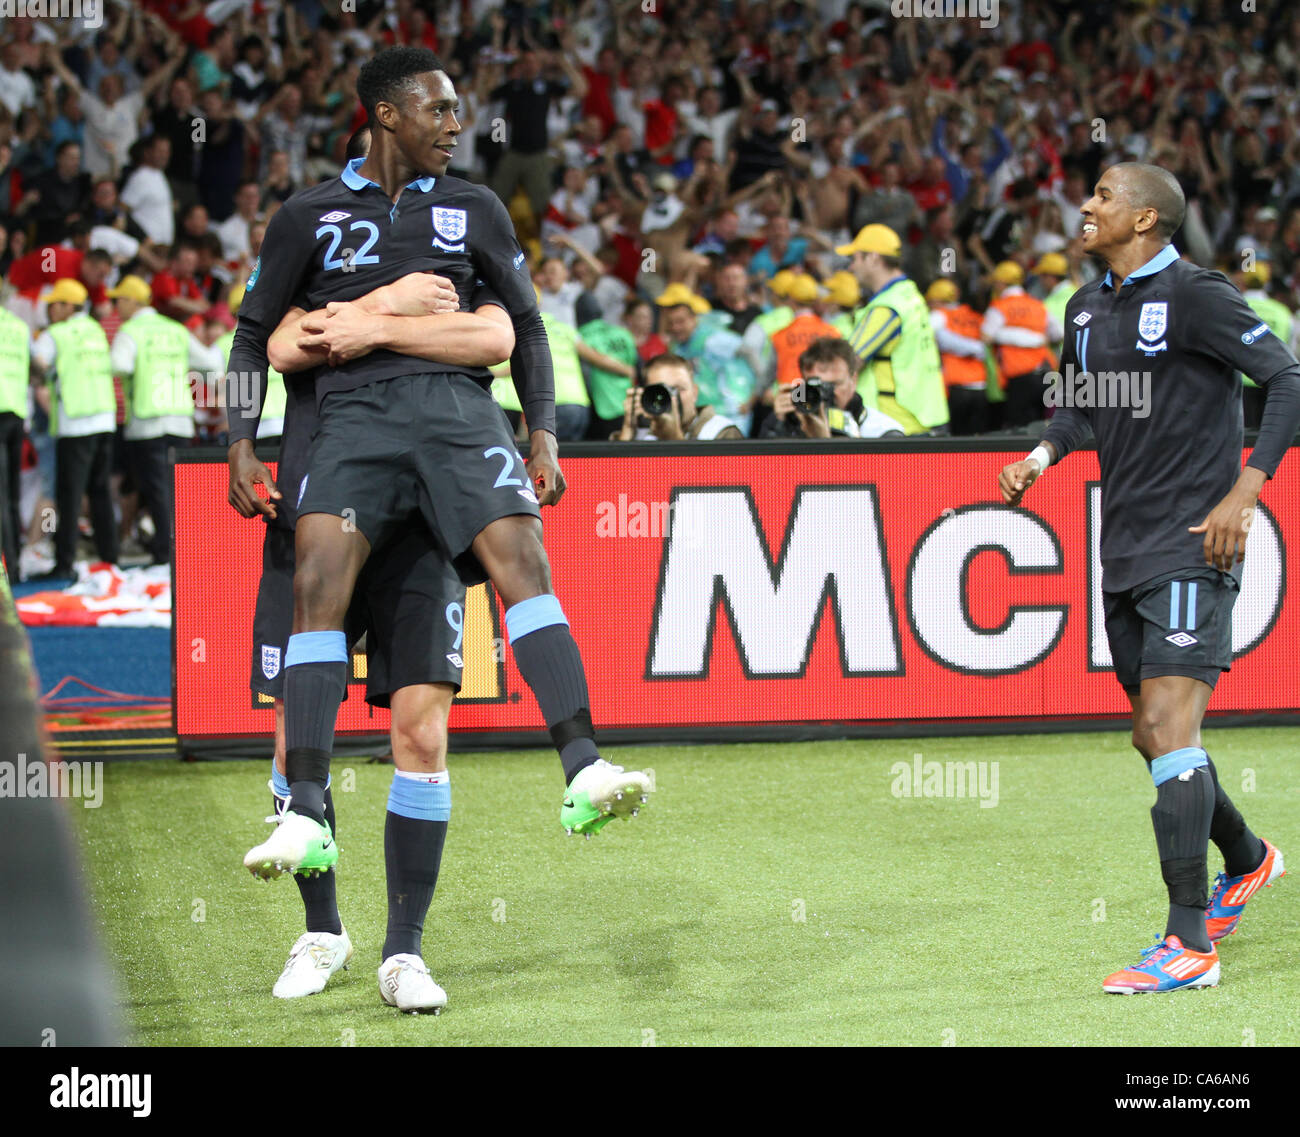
(1153, 368)
(344, 238)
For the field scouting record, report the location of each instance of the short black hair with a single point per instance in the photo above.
(102, 255)
(827, 350)
(1153, 187)
(62, 146)
(359, 143)
(387, 76)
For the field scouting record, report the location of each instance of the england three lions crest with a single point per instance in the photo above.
(1152, 323)
(449, 226)
(270, 661)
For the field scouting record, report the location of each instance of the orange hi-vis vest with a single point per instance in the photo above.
(962, 370)
(1022, 311)
(793, 340)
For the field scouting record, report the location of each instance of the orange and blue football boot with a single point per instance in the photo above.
(1166, 966)
(1231, 893)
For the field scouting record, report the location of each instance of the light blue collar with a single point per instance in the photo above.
(354, 181)
(1163, 259)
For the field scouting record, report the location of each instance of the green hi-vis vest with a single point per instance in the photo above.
(275, 402)
(503, 388)
(160, 384)
(1278, 318)
(570, 387)
(1055, 302)
(844, 323)
(773, 321)
(916, 369)
(85, 375)
(15, 363)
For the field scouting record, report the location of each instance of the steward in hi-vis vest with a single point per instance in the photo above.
(72, 355)
(154, 355)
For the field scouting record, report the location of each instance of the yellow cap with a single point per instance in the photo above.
(1052, 264)
(235, 299)
(1258, 276)
(803, 289)
(1008, 272)
(942, 291)
(678, 293)
(780, 283)
(66, 291)
(131, 288)
(873, 239)
(699, 305)
(843, 289)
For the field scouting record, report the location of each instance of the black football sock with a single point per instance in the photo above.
(315, 680)
(1181, 818)
(1242, 851)
(547, 657)
(319, 893)
(414, 831)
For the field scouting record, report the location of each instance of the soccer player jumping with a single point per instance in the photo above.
(401, 437)
(1176, 508)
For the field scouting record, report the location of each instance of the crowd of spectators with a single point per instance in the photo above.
(681, 174)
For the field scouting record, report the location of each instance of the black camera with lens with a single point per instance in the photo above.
(656, 399)
(811, 395)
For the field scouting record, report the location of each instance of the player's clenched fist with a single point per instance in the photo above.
(1016, 478)
(246, 471)
(417, 294)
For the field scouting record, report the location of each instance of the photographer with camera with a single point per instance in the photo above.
(824, 402)
(664, 405)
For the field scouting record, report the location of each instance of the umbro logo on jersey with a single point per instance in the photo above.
(453, 657)
(527, 495)
(518, 262)
(1082, 318)
(337, 215)
(1182, 639)
(1254, 333)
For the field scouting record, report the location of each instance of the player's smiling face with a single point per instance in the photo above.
(426, 129)
(1107, 216)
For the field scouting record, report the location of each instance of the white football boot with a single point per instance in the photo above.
(601, 792)
(312, 963)
(405, 983)
(298, 844)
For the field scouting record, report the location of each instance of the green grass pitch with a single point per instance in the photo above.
(771, 893)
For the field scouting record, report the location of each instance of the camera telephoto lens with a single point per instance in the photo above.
(656, 399)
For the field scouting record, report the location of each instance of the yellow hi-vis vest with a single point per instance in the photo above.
(570, 386)
(160, 384)
(275, 400)
(913, 371)
(15, 363)
(84, 374)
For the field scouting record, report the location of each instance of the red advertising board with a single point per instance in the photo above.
(764, 586)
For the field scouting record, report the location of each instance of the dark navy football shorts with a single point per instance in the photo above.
(436, 446)
(1178, 623)
(409, 603)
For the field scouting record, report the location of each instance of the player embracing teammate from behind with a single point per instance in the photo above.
(1176, 509)
(403, 439)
